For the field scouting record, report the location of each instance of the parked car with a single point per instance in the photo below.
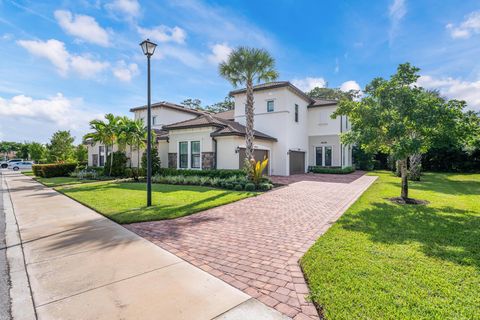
(5, 164)
(23, 165)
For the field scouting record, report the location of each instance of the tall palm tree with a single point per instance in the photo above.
(105, 132)
(245, 66)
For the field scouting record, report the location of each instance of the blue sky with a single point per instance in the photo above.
(63, 63)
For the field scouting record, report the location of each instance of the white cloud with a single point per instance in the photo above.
(350, 85)
(469, 26)
(127, 8)
(181, 54)
(87, 67)
(163, 34)
(396, 12)
(57, 54)
(21, 116)
(220, 53)
(83, 27)
(454, 89)
(52, 50)
(125, 72)
(309, 83)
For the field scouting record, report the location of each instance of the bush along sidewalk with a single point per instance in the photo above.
(239, 183)
(331, 170)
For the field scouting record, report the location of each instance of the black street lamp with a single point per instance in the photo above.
(148, 49)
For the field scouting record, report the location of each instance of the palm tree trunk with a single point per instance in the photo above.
(404, 174)
(111, 161)
(415, 167)
(249, 111)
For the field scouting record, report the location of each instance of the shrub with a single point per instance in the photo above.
(332, 170)
(212, 173)
(53, 169)
(154, 157)
(87, 174)
(238, 187)
(249, 187)
(228, 185)
(119, 164)
(265, 186)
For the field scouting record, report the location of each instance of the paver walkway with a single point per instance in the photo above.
(84, 266)
(255, 244)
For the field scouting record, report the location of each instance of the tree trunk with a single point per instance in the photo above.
(398, 172)
(249, 111)
(111, 161)
(415, 167)
(130, 154)
(404, 174)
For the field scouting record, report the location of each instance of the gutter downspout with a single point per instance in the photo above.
(341, 147)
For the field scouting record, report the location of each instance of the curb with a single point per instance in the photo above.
(22, 306)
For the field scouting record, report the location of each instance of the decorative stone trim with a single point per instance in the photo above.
(172, 160)
(208, 160)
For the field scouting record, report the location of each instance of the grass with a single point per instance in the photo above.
(125, 202)
(388, 261)
(61, 181)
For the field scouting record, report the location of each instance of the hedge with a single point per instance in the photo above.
(212, 173)
(234, 182)
(53, 169)
(332, 170)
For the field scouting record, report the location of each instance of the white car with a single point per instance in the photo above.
(5, 164)
(23, 165)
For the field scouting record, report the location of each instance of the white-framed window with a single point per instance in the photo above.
(270, 106)
(324, 156)
(154, 120)
(189, 155)
(183, 154)
(195, 162)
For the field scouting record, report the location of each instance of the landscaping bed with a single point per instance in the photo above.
(391, 261)
(124, 202)
(331, 170)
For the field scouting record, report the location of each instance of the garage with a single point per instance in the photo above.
(259, 154)
(297, 162)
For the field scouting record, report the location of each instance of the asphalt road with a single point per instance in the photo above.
(4, 277)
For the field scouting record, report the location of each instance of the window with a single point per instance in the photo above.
(195, 154)
(95, 160)
(319, 156)
(296, 113)
(154, 120)
(328, 156)
(183, 154)
(270, 106)
(101, 156)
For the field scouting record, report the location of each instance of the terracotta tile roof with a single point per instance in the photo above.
(161, 134)
(165, 104)
(273, 85)
(225, 127)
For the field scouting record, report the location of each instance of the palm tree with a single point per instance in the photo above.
(105, 132)
(138, 137)
(245, 66)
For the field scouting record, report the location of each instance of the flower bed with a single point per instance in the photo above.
(331, 170)
(238, 183)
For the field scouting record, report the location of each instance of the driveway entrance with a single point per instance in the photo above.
(255, 244)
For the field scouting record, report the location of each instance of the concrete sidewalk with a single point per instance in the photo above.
(84, 266)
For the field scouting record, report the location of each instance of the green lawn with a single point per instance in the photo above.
(125, 202)
(61, 181)
(387, 261)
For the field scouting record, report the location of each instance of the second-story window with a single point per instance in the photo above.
(154, 120)
(296, 113)
(270, 106)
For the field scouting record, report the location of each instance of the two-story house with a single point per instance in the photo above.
(291, 129)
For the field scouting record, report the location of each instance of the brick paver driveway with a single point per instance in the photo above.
(255, 244)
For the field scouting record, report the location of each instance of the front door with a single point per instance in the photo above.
(323, 156)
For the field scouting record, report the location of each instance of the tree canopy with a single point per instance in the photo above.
(61, 147)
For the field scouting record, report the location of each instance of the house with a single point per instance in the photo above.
(292, 130)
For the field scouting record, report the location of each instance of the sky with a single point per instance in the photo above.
(64, 63)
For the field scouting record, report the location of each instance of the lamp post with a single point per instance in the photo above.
(148, 49)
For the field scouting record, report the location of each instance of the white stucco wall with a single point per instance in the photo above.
(280, 123)
(164, 116)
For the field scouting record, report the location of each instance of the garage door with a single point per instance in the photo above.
(258, 154)
(297, 162)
